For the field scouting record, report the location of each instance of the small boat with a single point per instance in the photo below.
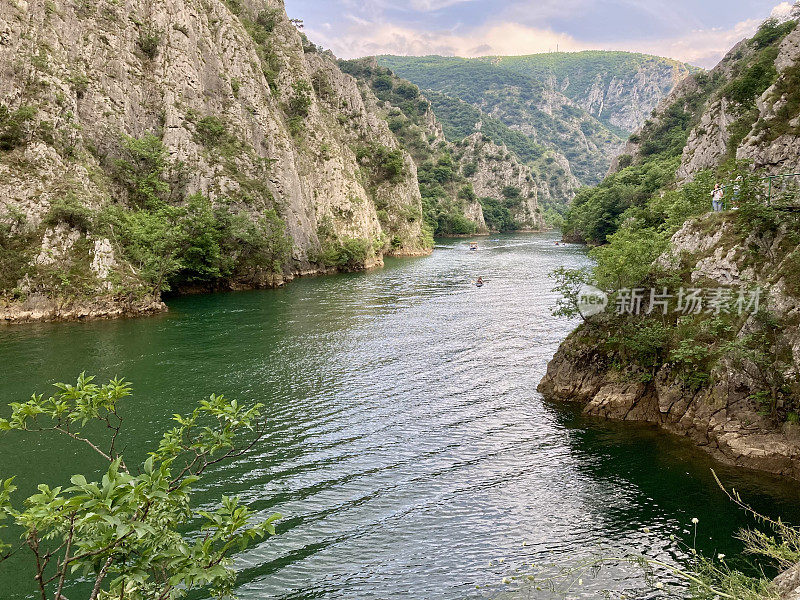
(473, 246)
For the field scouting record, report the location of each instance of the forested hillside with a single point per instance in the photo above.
(621, 89)
(460, 176)
(522, 103)
(709, 121)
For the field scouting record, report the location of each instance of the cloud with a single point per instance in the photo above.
(502, 38)
(703, 47)
(369, 34)
(782, 11)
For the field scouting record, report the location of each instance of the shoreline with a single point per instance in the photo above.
(722, 421)
(44, 309)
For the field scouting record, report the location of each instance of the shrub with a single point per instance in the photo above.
(497, 215)
(130, 534)
(15, 127)
(268, 19)
(142, 169)
(150, 40)
(71, 211)
(385, 165)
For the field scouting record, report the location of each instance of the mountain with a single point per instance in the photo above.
(725, 371)
(742, 109)
(620, 89)
(463, 176)
(182, 145)
(575, 104)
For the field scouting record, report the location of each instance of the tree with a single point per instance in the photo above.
(569, 283)
(127, 532)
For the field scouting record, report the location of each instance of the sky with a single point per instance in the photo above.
(699, 33)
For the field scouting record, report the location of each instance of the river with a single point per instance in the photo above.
(407, 448)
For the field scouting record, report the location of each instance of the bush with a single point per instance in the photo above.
(71, 211)
(385, 165)
(497, 215)
(150, 40)
(132, 534)
(268, 19)
(349, 255)
(142, 170)
(15, 127)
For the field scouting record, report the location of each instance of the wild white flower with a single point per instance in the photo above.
(695, 521)
(720, 556)
(660, 585)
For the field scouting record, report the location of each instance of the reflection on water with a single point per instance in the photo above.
(408, 447)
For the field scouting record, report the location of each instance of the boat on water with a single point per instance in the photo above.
(473, 246)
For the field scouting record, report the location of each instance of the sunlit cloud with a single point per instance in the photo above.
(524, 27)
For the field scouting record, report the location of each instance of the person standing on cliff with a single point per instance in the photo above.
(716, 198)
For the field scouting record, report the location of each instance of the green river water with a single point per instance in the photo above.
(408, 448)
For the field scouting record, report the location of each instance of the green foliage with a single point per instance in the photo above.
(351, 254)
(199, 243)
(568, 284)
(749, 85)
(267, 19)
(15, 126)
(142, 170)
(383, 164)
(643, 343)
(129, 533)
(771, 32)
(70, 210)
(150, 240)
(694, 360)
(514, 98)
(596, 213)
(149, 41)
(211, 131)
(626, 260)
(298, 106)
(16, 250)
(765, 356)
(497, 215)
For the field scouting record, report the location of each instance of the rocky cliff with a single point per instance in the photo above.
(728, 379)
(116, 117)
(712, 397)
(742, 109)
(458, 179)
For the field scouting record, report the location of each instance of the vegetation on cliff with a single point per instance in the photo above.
(555, 100)
(135, 159)
(655, 153)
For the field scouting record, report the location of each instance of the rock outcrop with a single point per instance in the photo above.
(494, 171)
(723, 418)
(250, 115)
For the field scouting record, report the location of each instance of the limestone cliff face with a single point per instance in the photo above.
(251, 114)
(726, 124)
(723, 418)
(627, 100)
(494, 170)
